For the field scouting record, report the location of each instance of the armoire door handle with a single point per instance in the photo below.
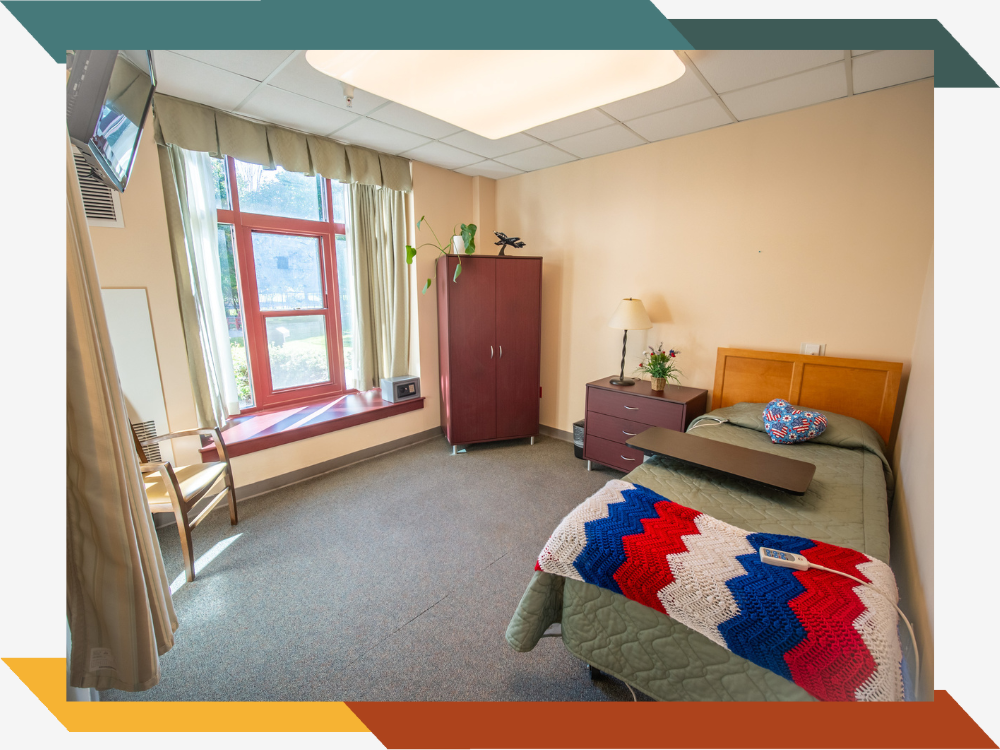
(491, 351)
(627, 459)
(501, 351)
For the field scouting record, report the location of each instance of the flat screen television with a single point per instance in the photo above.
(108, 96)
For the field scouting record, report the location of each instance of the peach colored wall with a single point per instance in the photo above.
(138, 256)
(912, 520)
(713, 229)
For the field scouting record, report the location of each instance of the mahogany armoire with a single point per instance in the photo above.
(489, 345)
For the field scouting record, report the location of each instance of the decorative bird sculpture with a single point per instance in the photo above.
(506, 242)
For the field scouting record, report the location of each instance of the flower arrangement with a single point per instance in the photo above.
(660, 366)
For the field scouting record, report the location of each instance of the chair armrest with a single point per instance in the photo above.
(215, 432)
(182, 433)
(150, 468)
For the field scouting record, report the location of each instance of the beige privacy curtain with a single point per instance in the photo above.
(117, 596)
(381, 284)
(189, 194)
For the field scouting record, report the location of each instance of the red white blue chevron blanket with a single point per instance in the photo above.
(833, 637)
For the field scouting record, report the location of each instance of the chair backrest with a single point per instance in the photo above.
(138, 446)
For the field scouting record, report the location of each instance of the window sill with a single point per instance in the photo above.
(267, 429)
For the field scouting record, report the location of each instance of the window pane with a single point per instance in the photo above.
(289, 272)
(221, 176)
(339, 207)
(276, 192)
(345, 283)
(296, 345)
(234, 314)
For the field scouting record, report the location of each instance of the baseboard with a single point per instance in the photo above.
(283, 480)
(254, 489)
(556, 433)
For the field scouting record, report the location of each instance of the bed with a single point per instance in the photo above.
(847, 504)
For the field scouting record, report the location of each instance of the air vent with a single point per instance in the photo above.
(147, 431)
(101, 203)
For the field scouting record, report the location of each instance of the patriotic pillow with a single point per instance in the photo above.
(787, 424)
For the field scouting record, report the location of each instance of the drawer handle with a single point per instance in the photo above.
(630, 434)
(633, 408)
(627, 459)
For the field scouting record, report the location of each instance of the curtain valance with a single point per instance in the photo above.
(199, 128)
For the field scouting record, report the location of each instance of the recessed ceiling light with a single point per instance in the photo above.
(495, 93)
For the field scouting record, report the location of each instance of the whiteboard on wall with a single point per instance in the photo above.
(127, 311)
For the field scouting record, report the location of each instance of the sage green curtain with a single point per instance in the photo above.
(120, 614)
(189, 196)
(196, 127)
(381, 284)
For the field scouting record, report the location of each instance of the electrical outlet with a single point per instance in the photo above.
(816, 349)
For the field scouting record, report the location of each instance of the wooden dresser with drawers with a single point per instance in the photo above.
(617, 412)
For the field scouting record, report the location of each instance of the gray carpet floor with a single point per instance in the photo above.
(392, 579)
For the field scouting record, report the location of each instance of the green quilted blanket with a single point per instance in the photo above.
(846, 505)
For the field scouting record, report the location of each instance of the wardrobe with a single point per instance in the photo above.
(489, 345)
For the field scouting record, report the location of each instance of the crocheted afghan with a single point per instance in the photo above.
(828, 634)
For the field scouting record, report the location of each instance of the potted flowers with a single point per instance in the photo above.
(660, 366)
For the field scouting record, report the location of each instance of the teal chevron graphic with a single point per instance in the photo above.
(458, 24)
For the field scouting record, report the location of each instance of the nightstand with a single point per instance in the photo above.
(617, 412)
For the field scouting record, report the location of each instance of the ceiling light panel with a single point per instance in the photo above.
(496, 93)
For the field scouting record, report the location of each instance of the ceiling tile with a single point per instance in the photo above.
(302, 78)
(681, 120)
(686, 89)
(189, 79)
(414, 121)
(538, 157)
(889, 67)
(492, 169)
(294, 111)
(856, 52)
(592, 119)
(442, 155)
(256, 64)
(727, 70)
(379, 136)
(801, 90)
(490, 148)
(602, 141)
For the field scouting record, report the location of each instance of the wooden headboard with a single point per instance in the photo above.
(859, 388)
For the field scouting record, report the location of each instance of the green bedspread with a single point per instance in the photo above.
(846, 504)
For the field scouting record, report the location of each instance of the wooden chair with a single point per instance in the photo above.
(177, 491)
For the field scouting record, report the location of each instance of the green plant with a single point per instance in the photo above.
(659, 364)
(468, 234)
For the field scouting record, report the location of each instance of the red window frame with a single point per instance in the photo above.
(244, 226)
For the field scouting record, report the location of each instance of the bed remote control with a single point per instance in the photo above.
(783, 559)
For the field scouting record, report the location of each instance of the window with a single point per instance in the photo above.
(286, 282)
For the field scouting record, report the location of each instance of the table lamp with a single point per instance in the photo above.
(631, 316)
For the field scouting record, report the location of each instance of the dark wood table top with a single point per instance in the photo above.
(678, 394)
(781, 473)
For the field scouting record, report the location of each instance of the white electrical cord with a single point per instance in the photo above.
(701, 422)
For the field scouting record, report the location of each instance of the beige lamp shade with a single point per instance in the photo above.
(630, 316)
